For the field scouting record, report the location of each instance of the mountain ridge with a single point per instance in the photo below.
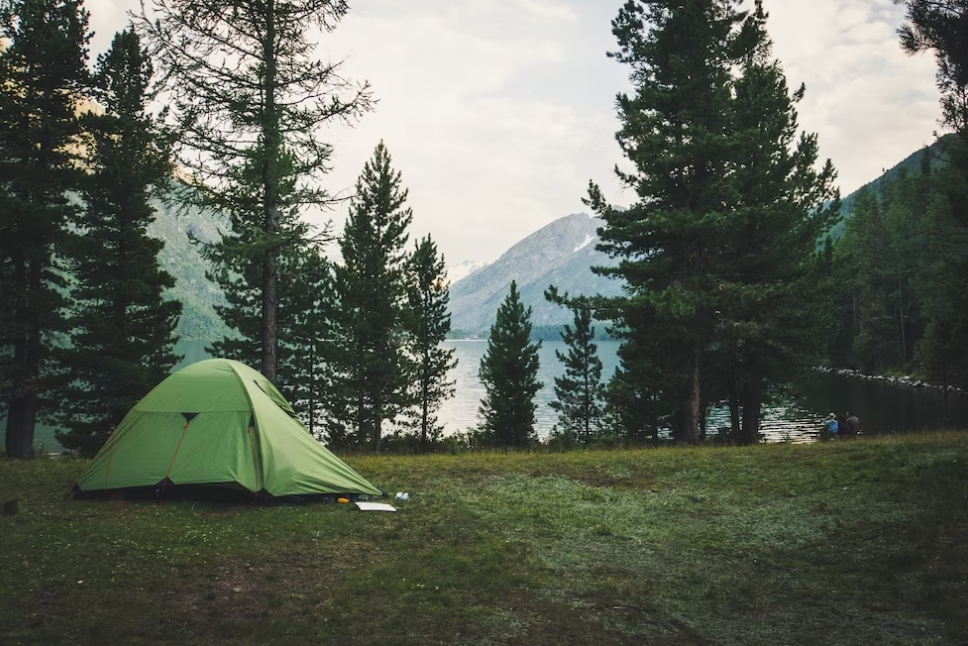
(560, 253)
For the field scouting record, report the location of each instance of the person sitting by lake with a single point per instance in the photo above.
(841, 426)
(831, 424)
(853, 424)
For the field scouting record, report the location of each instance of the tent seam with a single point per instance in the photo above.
(256, 455)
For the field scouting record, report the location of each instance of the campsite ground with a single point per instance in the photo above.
(862, 542)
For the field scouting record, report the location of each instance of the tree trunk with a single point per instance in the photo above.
(900, 311)
(702, 420)
(734, 427)
(22, 414)
(424, 402)
(377, 419)
(423, 420)
(270, 312)
(690, 418)
(752, 401)
(20, 431)
(270, 125)
(312, 388)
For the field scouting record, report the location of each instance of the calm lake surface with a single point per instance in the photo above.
(796, 417)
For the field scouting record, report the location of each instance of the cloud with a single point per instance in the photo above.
(487, 158)
(870, 104)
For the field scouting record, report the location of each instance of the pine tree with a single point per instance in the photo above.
(579, 392)
(767, 299)
(308, 337)
(44, 77)
(638, 399)
(371, 283)
(942, 26)
(730, 209)
(122, 326)
(306, 330)
(942, 351)
(252, 100)
(428, 323)
(509, 372)
(675, 131)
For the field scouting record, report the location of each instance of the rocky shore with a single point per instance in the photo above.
(904, 380)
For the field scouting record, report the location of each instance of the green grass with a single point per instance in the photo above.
(859, 542)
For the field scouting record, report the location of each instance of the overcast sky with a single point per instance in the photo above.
(499, 112)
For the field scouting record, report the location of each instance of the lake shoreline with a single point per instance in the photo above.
(903, 380)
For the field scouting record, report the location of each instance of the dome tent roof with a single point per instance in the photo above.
(219, 422)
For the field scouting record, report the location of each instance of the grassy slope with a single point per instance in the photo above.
(859, 542)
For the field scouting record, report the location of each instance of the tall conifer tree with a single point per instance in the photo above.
(730, 211)
(253, 99)
(307, 330)
(43, 76)
(428, 323)
(122, 326)
(309, 336)
(509, 372)
(371, 283)
(768, 305)
(674, 130)
(942, 27)
(579, 391)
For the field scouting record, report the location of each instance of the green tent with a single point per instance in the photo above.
(218, 422)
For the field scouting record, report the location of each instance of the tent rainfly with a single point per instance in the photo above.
(218, 422)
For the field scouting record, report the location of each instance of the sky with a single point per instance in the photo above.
(497, 113)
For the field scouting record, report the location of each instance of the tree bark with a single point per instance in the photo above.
(22, 415)
(20, 434)
(270, 298)
(752, 401)
(270, 311)
(424, 404)
(900, 311)
(691, 408)
(734, 423)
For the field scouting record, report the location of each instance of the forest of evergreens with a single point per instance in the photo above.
(85, 155)
(741, 267)
(899, 297)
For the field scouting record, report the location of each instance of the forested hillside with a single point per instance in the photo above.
(910, 164)
(176, 225)
(895, 296)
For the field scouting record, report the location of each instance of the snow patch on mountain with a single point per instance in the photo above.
(464, 269)
(584, 243)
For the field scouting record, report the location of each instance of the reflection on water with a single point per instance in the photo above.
(796, 417)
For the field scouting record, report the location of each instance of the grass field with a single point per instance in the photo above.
(862, 542)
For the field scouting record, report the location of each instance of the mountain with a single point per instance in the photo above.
(181, 258)
(559, 254)
(464, 269)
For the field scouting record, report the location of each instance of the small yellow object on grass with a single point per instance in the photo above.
(342, 500)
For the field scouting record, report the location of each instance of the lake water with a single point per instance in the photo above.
(797, 417)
